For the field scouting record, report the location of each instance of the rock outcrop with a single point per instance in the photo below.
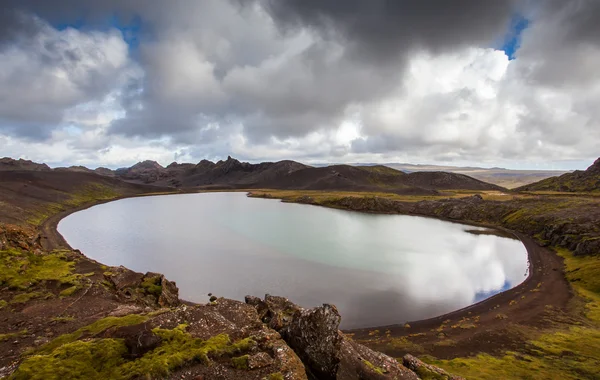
(151, 288)
(325, 351)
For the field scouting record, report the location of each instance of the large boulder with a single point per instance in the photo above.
(313, 334)
(325, 351)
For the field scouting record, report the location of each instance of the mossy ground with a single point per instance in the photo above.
(21, 270)
(67, 358)
(87, 194)
(565, 352)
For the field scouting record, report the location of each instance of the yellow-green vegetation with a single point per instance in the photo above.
(88, 194)
(105, 358)
(152, 285)
(69, 291)
(374, 368)
(274, 376)
(63, 319)
(425, 374)
(322, 197)
(93, 329)
(403, 343)
(565, 352)
(4, 337)
(240, 362)
(584, 274)
(21, 270)
(26, 297)
(3, 304)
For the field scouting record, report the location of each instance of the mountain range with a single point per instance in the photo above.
(291, 175)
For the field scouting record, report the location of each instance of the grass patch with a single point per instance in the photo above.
(105, 358)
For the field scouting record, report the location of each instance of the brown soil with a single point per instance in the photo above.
(487, 326)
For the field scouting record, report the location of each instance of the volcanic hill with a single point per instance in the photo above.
(579, 181)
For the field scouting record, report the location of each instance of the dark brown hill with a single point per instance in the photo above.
(8, 163)
(29, 195)
(447, 181)
(287, 175)
(578, 181)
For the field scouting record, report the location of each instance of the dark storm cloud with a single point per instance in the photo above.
(205, 71)
(382, 29)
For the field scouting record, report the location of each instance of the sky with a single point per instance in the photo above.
(504, 83)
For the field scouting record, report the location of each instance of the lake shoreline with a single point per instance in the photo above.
(536, 259)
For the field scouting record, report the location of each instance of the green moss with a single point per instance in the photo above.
(87, 194)
(104, 358)
(98, 359)
(4, 337)
(26, 297)
(93, 329)
(240, 362)
(21, 270)
(373, 367)
(70, 291)
(404, 344)
(63, 319)
(571, 354)
(3, 304)
(426, 374)
(152, 285)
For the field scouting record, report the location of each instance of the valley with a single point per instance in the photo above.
(54, 295)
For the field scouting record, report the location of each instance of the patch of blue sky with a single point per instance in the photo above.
(512, 39)
(130, 27)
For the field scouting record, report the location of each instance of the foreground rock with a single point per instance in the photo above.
(325, 351)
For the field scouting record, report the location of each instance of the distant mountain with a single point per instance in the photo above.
(145, 171)
(10, 164)
(285, 175)
(577, 181)
(448, 181)
(499, 176)
(289, 175)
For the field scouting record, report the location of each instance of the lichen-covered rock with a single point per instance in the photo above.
(427, 371)
(358, 362)
(123, 278)
(259, 360)
(313, 334)
(169, 295)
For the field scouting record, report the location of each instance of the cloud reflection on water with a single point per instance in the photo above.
(377, 269)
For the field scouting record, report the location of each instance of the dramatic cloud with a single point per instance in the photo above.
(111, 82)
